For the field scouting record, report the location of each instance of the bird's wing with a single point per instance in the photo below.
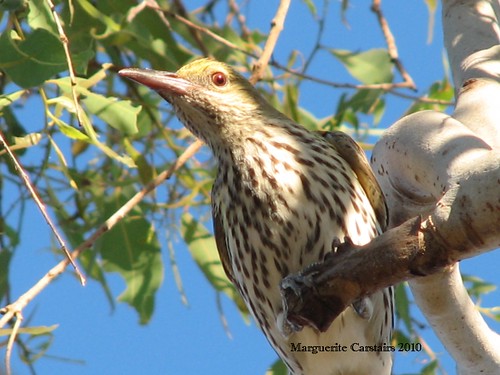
(220, 241)
(355, 157)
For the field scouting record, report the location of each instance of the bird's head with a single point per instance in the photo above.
(212, 100)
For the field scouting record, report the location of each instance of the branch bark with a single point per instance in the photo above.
(277, 25)
(429, 162)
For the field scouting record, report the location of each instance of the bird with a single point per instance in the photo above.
(282, 197)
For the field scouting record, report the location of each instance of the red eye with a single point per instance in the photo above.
(219, 79)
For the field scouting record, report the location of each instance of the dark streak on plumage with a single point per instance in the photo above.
(306, 186)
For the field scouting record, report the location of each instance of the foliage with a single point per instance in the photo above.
(85, 172)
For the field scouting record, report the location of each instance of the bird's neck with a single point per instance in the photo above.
(267, 159)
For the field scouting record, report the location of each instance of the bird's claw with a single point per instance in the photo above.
(363, 307)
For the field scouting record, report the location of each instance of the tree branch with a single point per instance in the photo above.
(71, 70)
(276, 27)
(41, 206)
(391, 45)
(457, 322)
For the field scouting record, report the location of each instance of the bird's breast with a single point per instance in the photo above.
(284, 202)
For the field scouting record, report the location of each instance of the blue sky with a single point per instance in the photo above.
(93, 339)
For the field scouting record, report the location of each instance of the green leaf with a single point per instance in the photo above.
(290, 102)
(477, 286)
(403, 304)
(5, 258)
(312, 7)
(308, 120)
(431, 5)
(431, 8)
(378, 110)
(40, 330)
(19, 143)
(37, 346)
(119, 114)
(6, 100)
(492, 312)
(431, 368)
(204, 252)
(13, 5)
(95, 270)
(150, 38)
(39, 56)
(277, 368)
(32, 61)
(440, 90)
(146, 172)
(363, 101)
(343, 10)
(399, 336)
(369, 67)
(97, 15)
(40, 16)
(132, 250)
(72, 132)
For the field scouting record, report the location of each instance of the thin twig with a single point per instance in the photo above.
(319, 36)
(206, 31)
(391, 45)
(423, 99)
(72, 76)
(10, 343)
(134, 11)
(374, 86)
(17, 306)
(276, 27)
(176, 273)
(196, 36)
(235, 11)
(41, 206)
(222, 317)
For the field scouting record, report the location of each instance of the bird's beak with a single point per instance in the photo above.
(162, 82)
